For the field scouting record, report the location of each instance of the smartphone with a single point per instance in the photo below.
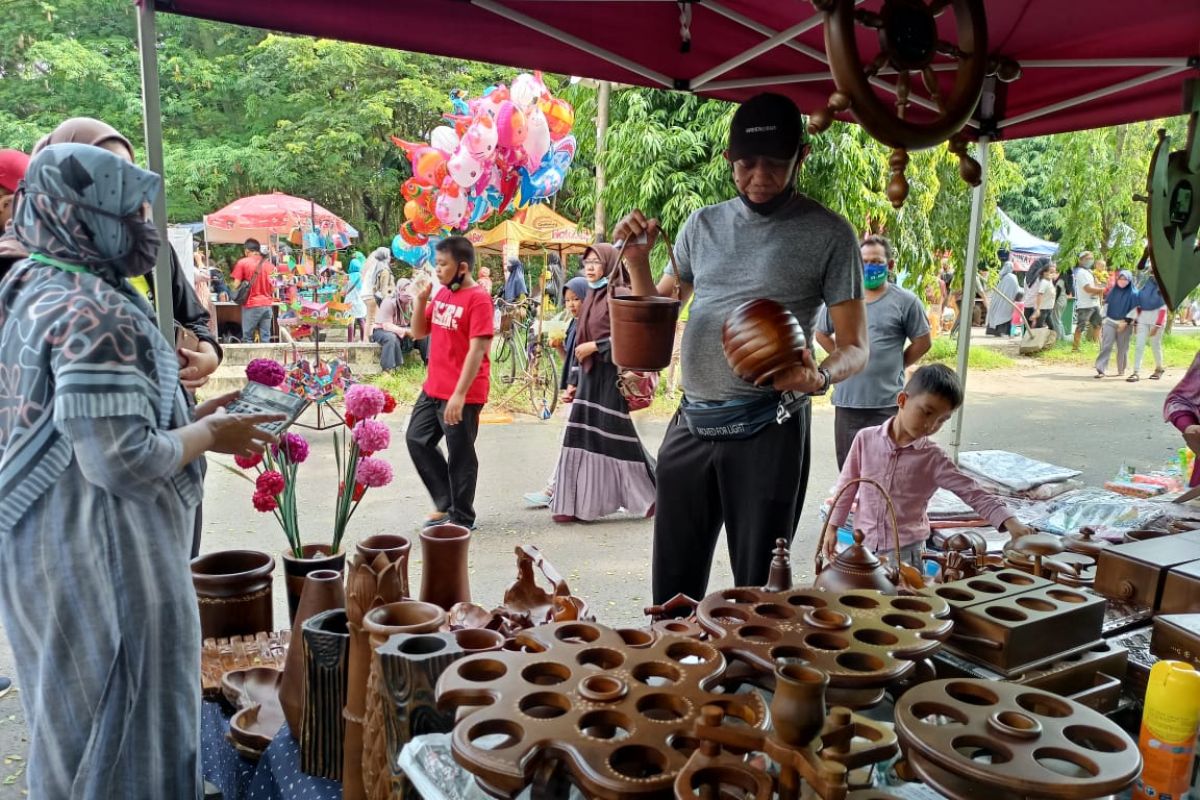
(259, 399)
(185, 339)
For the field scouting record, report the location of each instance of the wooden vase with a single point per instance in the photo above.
(233, 589)
(798, 707)
(410, 666)
(397, 549)
(371, 583)
(323, 590)
(316, 556)
(407, 616)
(444, 577)
(326, 658)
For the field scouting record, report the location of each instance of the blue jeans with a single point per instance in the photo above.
(256, 319)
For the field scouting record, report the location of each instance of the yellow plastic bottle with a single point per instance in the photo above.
(1168, 738)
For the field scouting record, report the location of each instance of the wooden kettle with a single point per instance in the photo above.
(857, 567)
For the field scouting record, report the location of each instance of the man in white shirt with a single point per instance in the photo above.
(1087, 300)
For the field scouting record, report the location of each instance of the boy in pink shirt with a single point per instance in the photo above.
(457, 318)
(900, 457)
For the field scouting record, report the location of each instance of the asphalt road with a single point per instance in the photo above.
(1058, 415)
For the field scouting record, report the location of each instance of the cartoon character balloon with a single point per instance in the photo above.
(509, 146)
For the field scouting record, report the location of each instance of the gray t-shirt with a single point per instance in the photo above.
(801, 256)
(892, 321)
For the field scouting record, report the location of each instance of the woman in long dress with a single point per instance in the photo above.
(602, 466)
(99, 488)
(999, 318)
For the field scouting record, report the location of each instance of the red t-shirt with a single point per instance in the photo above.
(262, 293)
(455, 319)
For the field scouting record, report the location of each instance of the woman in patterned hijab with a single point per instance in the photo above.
(99, 487)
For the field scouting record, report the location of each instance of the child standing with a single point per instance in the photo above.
(900, 457)
(1018, 315)
(459, 324)
(573, 296)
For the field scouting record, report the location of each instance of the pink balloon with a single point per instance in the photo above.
(537, 138)
(464, 168)
(481, 138)
(451, 208)
(510, 126)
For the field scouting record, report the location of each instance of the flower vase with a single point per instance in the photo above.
(410, 666)
(407, 616)
(372, 582)
(798, 707)
(233, 589)
(326, 657)
(444, 577)
(323, 590)
(395, 547)
(316, 557)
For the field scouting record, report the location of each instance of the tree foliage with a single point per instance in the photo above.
(246, 111)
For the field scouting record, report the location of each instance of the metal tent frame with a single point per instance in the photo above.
(985, 125)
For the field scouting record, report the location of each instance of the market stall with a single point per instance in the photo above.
(1023, 246)
(536, 229)
(696, 702)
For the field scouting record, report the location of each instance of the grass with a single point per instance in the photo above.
(945, 351)
(1178, 351)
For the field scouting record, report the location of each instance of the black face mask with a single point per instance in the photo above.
(771, 206)
(146, 243)
(775, 203)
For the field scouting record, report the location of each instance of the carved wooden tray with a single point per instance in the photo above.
(861, 639)
(218, 656)
(976, 738)
(616, 714)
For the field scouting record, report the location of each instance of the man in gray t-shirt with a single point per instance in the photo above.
(743, 470)
(898, 332)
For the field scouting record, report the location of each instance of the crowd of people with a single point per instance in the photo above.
(102, 444)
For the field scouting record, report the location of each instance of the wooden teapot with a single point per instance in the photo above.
(857, 567)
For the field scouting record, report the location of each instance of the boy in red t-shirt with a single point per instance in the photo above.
(459, 324)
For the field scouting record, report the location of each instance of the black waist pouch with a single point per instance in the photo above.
(738, 419)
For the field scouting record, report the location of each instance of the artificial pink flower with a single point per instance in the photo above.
(373, 472)
(266, 371)
(372, 436)
(248, 462)
(293, 446)
(264, 502)
(364, 401)
(270, 482)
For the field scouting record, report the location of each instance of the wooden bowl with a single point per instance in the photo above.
(761, 339)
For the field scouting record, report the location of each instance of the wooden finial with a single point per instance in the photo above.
(897, 188)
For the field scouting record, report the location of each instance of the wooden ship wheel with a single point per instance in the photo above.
(1173, 207)
(909, 43)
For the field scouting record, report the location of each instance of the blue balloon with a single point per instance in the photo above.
(417, 255)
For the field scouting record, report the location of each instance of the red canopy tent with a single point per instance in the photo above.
(1083, 64)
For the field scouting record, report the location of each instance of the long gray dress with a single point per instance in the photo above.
(95, 529)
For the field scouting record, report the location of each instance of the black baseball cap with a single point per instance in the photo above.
(768, 125)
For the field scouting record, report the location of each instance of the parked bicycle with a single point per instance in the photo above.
(523, 359)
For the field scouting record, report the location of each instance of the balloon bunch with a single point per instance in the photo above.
(512, 147)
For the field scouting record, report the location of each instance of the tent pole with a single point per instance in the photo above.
(967, 307)
(152, 125)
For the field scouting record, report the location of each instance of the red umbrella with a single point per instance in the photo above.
(261, 215)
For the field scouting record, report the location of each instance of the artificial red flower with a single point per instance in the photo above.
(389, 403)
(270, 482)
(264, 502)
(350, 420)
(248, 462)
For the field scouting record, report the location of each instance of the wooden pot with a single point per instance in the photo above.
(316, 557)
(233, 588)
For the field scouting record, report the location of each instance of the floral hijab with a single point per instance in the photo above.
(78, 204)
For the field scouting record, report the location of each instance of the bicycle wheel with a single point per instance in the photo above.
(543, 376)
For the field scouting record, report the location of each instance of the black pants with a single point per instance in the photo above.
(451, 485)
(847, 422)
(754, 487)
(394, 349)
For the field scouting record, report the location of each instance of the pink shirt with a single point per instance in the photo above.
(910, 474)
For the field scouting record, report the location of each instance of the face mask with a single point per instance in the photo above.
(874, 275)
(146, 242)
(771, 206)
(600, 284)
(1086, 265)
